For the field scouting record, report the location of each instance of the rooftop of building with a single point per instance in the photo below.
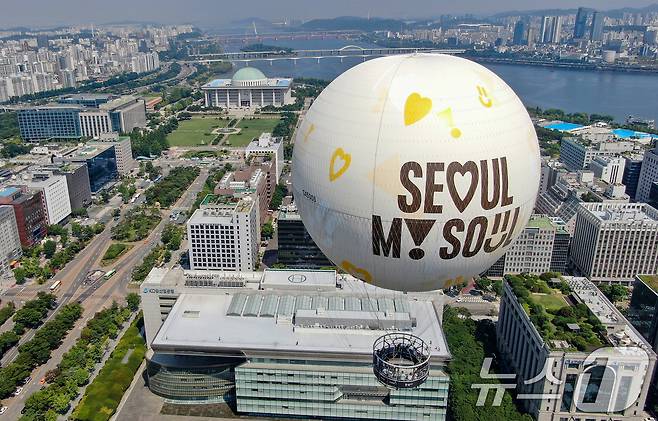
(220, 209)
(627, 213)
(541, 222)
(8, 191)
(88, 151)
(289, 212)
(571, 313)
(298, 311)
(650, 280)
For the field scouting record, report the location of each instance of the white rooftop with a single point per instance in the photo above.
(344, 319)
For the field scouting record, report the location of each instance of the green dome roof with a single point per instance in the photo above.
(248, 73)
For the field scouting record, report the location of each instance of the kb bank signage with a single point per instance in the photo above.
(158, 291)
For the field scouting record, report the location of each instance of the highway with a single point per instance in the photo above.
(96, 296)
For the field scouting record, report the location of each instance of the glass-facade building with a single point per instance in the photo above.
(102, 168)
(287, 343)
(51, 122)
(643, 311)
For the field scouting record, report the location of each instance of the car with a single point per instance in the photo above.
(3, 410)
(18, 391)
(475, 292)
(459, 300)
(43, 379)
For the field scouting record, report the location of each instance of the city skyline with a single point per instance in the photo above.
(208, 13)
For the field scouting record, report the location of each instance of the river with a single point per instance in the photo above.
(615, 93)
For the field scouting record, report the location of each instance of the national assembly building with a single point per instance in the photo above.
(248, 88)
(291, 343)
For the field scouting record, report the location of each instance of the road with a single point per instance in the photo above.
(101, 294)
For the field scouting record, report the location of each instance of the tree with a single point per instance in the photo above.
(80, 213)
(267, 231)
(615, 293)
(49, 248)
(20, 275)
(133, 301)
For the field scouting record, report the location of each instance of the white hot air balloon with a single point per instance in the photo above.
(414, 172)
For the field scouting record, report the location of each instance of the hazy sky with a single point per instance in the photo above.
(206, 12)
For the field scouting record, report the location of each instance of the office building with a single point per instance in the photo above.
(29, 212)
(296, 247)
(271, 148)
(50, 122)
(10, 242)
(648, 175)
(643, 309)
(122, 150)
(224, 234)
(287, 343)
(55, 196)
(77, 182)
(245, 182)
(577, 155)
(555, 371)
(542, 246)
(614, 242)
(248, 88)
(631, 177)
(580, 27)
(77, 116)
(596, 30)
(101, 161)
(608, 169)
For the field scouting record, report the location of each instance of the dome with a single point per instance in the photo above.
(247, 76)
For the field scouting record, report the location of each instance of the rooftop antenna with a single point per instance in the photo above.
(253, 22)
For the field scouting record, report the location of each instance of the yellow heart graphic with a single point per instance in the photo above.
(345, 157)
(416, 108)
(357, 272)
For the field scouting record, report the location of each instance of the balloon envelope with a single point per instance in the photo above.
(414, 172)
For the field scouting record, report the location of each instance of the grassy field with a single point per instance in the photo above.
(550, 302)
(115, 251)
(104, 393)
(196, 131)
(251, 129)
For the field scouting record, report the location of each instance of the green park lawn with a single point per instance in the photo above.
(104, 393)
(251, 129)
(194, 132)
(550, 301)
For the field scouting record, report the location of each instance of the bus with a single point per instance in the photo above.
(109, 274)
(55, 285)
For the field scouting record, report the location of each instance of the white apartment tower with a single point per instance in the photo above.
(224, 234)
(613, 242)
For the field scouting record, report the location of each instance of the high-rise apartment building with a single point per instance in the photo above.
(520, 33)
(596, 30)
(580, 27)
(614, 242)
(224, 234)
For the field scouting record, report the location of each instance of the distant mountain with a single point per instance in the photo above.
(614, 13)
(353, 23)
